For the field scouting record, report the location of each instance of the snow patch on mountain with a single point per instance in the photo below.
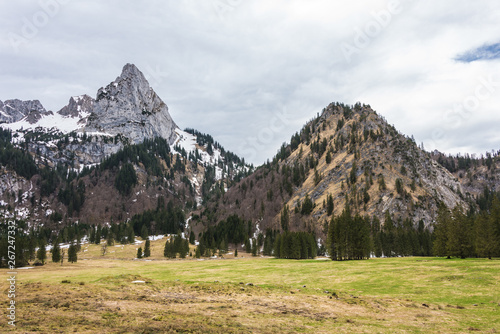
(184, 140)
(54, 122)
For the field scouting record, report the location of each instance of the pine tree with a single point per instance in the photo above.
(72, 254)
(31, 248)
(144, 232)
(328, 157)
(147, 248)
(184, 248)
(460, 241)
(92, 234)
(78, 244)
(109, 240)
(97, 240)
(285, 218)
(381, 183)
(376, 236)
(329, 205)
(441, 232)
(353, 175)
(131, 235)
(41, 254)
(56, 252)
(277, 246)
(248, 246)
(191, 238)
(166, 249)
(139, 253)
(307, 206)
(236, 252)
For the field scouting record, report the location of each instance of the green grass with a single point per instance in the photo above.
(377, 295)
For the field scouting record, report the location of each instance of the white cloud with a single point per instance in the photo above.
(228, 67)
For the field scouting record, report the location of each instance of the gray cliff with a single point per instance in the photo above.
(129, 107)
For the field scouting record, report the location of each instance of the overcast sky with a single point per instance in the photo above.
(252, 72)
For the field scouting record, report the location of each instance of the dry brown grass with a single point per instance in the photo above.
(115, 305)
(213, 296)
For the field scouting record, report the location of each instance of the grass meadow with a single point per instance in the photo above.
(254, 295)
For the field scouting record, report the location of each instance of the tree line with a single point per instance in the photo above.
(459, 233)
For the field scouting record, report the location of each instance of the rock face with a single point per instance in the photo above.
(127, 111)
(78, 106)
(15, 110)
(130, 107)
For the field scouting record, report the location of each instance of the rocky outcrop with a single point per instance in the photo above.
(15, 110)
(78, 106)
(130, 107)
(76, 154)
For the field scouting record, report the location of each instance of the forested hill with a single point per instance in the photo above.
(349, 156)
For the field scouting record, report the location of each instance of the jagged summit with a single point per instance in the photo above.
(15, 110)
(130, 107)
(130, 71)
(78, 106)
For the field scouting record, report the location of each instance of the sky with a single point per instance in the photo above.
(252, 72)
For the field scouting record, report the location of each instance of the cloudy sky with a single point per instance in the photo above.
(252, 72)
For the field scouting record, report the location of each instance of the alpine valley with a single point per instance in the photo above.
(121, 158)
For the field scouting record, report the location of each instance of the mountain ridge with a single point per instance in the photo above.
(347, 155)
(69, 147)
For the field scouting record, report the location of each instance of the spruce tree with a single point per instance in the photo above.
(277, 246)
(307, 206)
(329, 205)
(97, 240)
(110, 241)
(353, 174)
(184, 248)
(139, 253)
(56, 252)
(147, 249)
(131, 235)
(92, 234)
(191, 238)
(144, 232)
(441, 232)
(41, 254)
(328, 157)
(72, 254)
(285, 218)
(487, 241)
(460, 234)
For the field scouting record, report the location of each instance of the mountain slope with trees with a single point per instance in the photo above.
(347, 155)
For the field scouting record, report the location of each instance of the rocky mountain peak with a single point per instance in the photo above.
(131, 71)
(130, 107)
(15, 110)
(78, 106)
